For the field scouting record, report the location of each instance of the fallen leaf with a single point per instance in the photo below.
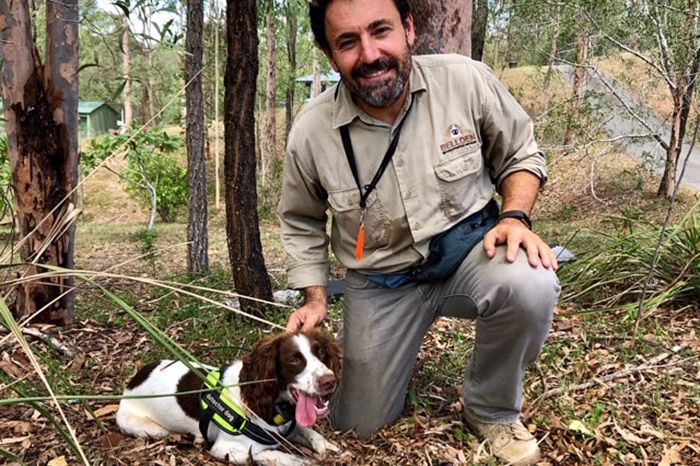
(105, 410)
(58, 461)
(630, 437)
(670, 456)
(111, 440)
(580, 427)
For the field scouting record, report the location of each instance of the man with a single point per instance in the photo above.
(402, 150)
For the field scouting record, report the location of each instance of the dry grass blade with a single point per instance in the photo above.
(11, 324)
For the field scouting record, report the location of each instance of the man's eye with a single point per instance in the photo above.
(383, 31)
(345, 45)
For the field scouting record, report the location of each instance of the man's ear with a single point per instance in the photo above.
(329, 55)
(410, 30)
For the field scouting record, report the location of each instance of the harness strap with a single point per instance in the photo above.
(230, 418)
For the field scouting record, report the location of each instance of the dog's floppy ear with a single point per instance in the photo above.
(331, 349)
(259, 384)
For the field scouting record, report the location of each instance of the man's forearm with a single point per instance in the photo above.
(316, 295)
(519, 191)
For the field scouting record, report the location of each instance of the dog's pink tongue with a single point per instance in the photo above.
(306, 410)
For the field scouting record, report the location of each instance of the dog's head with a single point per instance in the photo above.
(302, 367)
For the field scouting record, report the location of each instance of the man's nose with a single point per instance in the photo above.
(370, 50)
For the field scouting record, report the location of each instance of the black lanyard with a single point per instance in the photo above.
(347, 145)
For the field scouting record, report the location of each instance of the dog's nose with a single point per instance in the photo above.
(327, 383)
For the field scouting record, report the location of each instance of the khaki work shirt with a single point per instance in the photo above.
(464, 133)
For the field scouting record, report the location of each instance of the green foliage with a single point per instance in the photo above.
(147, 244)
(5, 177)
(270, 191)
(153, 175)
(614, 272)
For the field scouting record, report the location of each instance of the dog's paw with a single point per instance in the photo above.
(322, 446)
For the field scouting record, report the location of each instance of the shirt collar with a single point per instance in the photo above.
(345, 110)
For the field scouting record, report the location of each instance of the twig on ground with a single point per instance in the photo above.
(654, 363)
(39, 335)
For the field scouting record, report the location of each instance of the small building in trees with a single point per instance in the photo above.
(327, 79)
(96, 118)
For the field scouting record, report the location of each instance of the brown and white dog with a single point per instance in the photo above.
(298, 371)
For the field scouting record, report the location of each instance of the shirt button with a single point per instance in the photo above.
(399, 163)
(416, 226)
(409, 195)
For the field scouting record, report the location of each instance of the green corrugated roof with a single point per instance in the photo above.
(84, 106)
(89, 106)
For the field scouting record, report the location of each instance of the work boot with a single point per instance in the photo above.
(512, 443)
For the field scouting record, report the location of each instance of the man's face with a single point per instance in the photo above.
(369, 47)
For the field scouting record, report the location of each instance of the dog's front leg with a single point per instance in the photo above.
(244, 452)
(312, 439)
(280, 458)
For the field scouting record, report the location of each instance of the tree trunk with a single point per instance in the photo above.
(682, 92)
(480, 23)
(41, 111)
(148, 105)
(126, 63)
(197, 235)
(217, 125)
(443, 26)
(578, 84)
(269, 136)
(244, 244)
(292, 27)
(316, 70)
(551, 59)
(668, 179)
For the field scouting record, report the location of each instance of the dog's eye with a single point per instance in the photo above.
(321, 353)
(294, 361)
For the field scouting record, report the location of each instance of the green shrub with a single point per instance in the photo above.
(152, 175)
(615, 272)
(5, 178)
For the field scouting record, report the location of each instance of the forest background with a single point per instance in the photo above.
(618, 380)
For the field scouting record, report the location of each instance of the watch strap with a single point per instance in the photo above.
(517, 214)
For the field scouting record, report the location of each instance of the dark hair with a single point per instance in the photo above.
(317, 15)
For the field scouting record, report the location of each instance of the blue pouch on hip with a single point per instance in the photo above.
(451, 247)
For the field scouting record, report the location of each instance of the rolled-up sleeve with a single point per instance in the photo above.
(303, 220)
(508, 131)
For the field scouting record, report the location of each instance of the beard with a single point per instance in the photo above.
(382, 93)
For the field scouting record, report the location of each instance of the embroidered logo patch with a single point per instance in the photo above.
(457, 137)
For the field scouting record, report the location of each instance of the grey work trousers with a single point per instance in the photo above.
(383, 329)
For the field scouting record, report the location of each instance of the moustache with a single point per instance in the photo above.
(381, 64)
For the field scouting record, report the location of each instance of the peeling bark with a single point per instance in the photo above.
(41, 109)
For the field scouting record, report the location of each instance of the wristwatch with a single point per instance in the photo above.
(519, 214)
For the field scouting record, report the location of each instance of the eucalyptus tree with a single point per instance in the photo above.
(268, 135)
(294, 15)
(195, 136)
(480, 22)
(242, 225)
(443, 26)
(41, 112)
(673, 56)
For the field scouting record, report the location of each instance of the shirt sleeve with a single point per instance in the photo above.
(508, 133)
(303, 220)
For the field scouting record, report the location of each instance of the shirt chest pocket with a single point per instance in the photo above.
(459, 178)
(345, 208)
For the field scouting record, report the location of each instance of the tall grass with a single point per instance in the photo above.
(614, 273)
